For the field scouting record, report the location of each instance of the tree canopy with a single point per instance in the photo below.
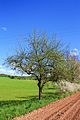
(44, 58)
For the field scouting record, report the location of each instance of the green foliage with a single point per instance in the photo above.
(72, 69)
(39, 59)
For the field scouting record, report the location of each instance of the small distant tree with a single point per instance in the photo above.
(73, 68)
(39, 59)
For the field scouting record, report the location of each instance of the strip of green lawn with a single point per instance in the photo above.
(18, 97)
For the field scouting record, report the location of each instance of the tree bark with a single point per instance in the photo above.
(40, 93)
(40, 89)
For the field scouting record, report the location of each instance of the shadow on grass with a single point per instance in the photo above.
(17, 102)
(51, 88)
(28, 99)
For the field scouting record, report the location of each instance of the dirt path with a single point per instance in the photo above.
(65, 109)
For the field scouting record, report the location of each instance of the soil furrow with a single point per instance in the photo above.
(62, 110)
(65, 109)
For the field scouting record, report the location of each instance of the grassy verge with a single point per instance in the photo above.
(11, 109)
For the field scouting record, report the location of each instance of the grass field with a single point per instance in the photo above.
(14, 89)
(18, 97)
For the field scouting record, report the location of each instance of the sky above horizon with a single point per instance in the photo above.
(18, 18)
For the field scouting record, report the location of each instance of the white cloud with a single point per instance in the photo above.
(4, 70)
(4, 28)
(75, 52)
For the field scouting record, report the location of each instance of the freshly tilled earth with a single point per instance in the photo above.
(65, 109)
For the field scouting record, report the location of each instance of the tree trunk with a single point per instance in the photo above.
(40, 92)
(40, 89)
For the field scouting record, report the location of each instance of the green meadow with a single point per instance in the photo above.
(18, 97)
(14, 89)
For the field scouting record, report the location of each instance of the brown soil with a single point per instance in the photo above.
(65, 109)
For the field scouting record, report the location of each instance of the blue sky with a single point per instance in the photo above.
(19, 17)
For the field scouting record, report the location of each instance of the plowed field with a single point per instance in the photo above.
(65, 109)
